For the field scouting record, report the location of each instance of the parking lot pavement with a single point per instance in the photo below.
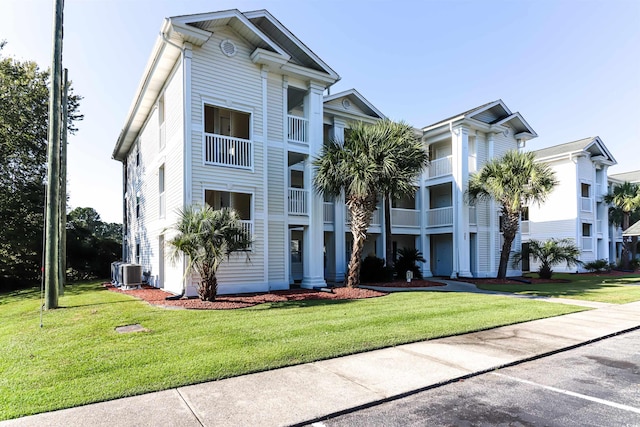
(594, 385)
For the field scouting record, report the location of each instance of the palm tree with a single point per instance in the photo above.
(207, 236)
(513, 180)
(361, 168)
(550, 253)
(625, 199)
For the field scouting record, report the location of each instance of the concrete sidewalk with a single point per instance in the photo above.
(307, 393)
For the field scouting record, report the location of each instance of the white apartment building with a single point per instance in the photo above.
(231, 110)
(615, 232)
(575, 208)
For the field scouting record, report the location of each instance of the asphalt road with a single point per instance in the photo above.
(594, 385)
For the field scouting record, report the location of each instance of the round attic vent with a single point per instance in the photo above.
(228, 47)
(346, 104)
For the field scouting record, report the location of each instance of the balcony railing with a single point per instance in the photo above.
(328, 212)
(440, 217)
(440, 167)
(298, 201)
(298, 129)
(375, 218)
(247, 227)
(228, 151)
(586, 204)
(401, 217)
(587, 243)
(524, 227)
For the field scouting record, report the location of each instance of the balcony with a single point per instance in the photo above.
(298, 201)
(585, 204)
(228, 151)
(298, 130)
(247, 227)
(440, 217)
(440, 167)
(587, 243)
(405, 217)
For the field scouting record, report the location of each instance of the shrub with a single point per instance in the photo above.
(407, 261)
(373, 270)
(598, 266)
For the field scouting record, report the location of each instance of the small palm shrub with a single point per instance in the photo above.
(407, 261)
(598, 266)
(549, 253)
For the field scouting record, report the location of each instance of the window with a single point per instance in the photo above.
(161, 122)
(524, 213)
(587, 241)
(137, 206)
(138, 156)
(221, 121)
(585, 190)
(586, 229)
(137, 252)
(161, 194)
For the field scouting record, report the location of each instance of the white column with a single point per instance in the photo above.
(493, 215)
(461, 248)
(424, 239)
(285, 186)
(313, 255)
(339, 229)
(264, 74)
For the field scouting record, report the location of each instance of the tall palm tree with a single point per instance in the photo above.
(361, 167)
(625, 200)
(513, 180)
(550, 253)
(207, 236)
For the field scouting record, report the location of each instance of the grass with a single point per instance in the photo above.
(600, 288)
(78, 358)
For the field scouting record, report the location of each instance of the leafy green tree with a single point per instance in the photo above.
(92, 245)
(625, 201)
(362, 167)
(24, 97)
(550, 252)
(207, 236)
(408, 259)
(513, 181)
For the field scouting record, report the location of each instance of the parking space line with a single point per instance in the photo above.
(571, 393)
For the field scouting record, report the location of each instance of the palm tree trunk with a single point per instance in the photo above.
(361, 211)
(509, 230)
(387, 231)
(625, 241)
(353, 275)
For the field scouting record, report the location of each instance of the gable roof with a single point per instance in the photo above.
(274, 45)
(634, 230)
(492, 114)
(592, 145)
(357, 99)
(631, 176)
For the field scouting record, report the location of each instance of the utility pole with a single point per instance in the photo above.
(52, 232)
(62, 267)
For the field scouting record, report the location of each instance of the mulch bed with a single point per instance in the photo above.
(155, 296)
(405, 284)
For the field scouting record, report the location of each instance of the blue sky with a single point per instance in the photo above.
(571, 68)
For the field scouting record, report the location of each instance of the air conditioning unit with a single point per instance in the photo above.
(131, 276)
(116, 273)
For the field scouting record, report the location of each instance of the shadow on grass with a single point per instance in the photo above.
(302, 303)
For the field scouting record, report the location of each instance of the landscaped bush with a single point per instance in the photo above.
(598, 266)
(408, 259)
(374, 270)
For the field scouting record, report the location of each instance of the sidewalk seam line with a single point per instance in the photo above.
(189, 407)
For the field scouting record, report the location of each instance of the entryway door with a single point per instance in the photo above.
(442, 253)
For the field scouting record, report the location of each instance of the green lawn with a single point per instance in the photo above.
(78, 358)
(602, 288)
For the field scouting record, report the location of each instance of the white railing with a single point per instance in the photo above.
(163, 135)
(328, 212)
(298, 129)
(375, 218)
(473, 217)
(473, 163)
(440, 167)
(587, 243)
(401, 217)
(163, 204)
(298, 201)
(228, 151)
(440, 217)
(586, 204)
(247, 227)
(524, 227)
